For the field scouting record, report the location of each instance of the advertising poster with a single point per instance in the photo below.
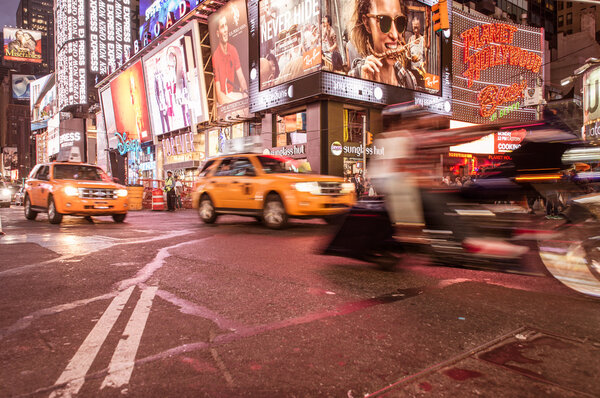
(175, 83)
(20, 86)
(290, 45)
(160, 15)
(22, 45)
(129, 104)
(10, 158)
(402, 51)
(494, 64)
(109, 117)
(35, 88)
(591, 105)
(228, 30)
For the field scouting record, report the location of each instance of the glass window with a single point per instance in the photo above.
(291, 129)
(561, 5)
(224, 168)
(569, 4)
(353, 125)
(206, 168)
(242, 167)
(42, 173)
(78, 172)
(276, 164)
(561, 21)
(569, 18)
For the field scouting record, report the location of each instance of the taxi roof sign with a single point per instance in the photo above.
(69, 154)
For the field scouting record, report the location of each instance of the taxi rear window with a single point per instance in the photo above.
(77, 172)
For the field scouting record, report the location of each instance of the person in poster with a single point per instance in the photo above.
(331, 51)
(417, 52)
(227, 68)
(378, 35)
(21, 45)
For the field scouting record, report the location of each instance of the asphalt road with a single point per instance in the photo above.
(163, 305)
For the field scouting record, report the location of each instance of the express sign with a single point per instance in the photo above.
(494, 64)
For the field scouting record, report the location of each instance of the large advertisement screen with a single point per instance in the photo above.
(161, 14)
(591, 104)
(228, 29)
(22, 45)
(390, 42)
(175, 83)
(130, 108)
(290, 45)
(21, 86)
(494, 64)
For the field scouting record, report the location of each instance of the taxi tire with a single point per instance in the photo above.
(53, 215)
(274, 215)
(29, 214)
(119, 218)
(206, 210)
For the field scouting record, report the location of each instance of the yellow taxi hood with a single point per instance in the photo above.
(92, 184)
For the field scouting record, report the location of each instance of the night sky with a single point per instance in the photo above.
(9, 14)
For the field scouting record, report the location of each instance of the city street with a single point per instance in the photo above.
(164, 305)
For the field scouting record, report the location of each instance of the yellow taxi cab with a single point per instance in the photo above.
(269, 188)
(73, 188)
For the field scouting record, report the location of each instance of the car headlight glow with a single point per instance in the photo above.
(71, 191)
(6, 191)
(348, 187)
(121, 193)
(312, 187)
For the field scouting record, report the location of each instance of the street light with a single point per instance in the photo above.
(579, 71)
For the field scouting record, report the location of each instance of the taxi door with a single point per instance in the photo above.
(219, 184)
(37, 184)
(243, 185)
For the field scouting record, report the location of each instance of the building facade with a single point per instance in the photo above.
(39, 15)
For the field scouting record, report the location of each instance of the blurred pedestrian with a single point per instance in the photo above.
(170, 190)
(358, 184)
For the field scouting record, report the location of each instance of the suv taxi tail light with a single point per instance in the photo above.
(312, 187)
(71, 191)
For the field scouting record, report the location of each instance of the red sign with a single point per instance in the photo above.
(508, 141)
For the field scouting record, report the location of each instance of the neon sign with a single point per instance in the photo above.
(127, 145)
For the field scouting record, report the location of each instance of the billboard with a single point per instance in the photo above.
(21, 86)
(130, 110)
(175, 82)
(228, 31)
(591, 105)
(36, 88)
(290, 45)
(494, 63)
(161, 15)
(109, 34)
(71, 52)
(10, 158)
(22, 45)
(403, 51)
(71, 134)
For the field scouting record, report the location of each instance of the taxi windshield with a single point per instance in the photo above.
(275, 164)
(78, 172)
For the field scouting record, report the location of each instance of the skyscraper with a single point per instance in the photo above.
(39, 15)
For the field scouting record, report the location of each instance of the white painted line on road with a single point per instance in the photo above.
(123, 360)
(74, 373)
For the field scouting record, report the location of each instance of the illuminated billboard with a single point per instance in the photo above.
(175, 82)
(414, 67)
(22, 45)
(494, 64)
(71, 52)
(109, 34)
(228, 31)
(128, 95)
(290, 45)
(403, 51)
(21, 86)
(36, 88)
(591, 104)
(161, 15)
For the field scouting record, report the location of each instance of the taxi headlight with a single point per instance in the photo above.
(71, 191)
(312, 187)
(348, 187)
(121, 193)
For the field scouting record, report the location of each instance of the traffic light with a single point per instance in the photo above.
(369, 138)
(440, 16)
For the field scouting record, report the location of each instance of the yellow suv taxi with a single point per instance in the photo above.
(78, 189)
(267, 187)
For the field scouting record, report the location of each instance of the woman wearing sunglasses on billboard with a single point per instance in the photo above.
(378, 35)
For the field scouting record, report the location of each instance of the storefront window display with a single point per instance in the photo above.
(353, 125)
(291, 129)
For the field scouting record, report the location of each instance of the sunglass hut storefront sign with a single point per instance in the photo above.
(494, 64)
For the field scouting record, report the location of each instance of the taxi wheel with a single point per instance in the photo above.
(119, 217)
(206, 210)
(29, 214)
(53, 215)
(274, 214)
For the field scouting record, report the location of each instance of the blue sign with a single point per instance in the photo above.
(126, 145)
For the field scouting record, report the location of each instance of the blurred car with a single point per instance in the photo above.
(73, 188)
(19, 196)
(269, 188)
(5, 195)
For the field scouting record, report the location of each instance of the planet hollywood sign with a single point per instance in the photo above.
(495, 63)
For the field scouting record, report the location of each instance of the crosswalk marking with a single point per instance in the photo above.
(74, 373)
(122, 362)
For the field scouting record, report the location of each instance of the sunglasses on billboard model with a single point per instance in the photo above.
(385, 22)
